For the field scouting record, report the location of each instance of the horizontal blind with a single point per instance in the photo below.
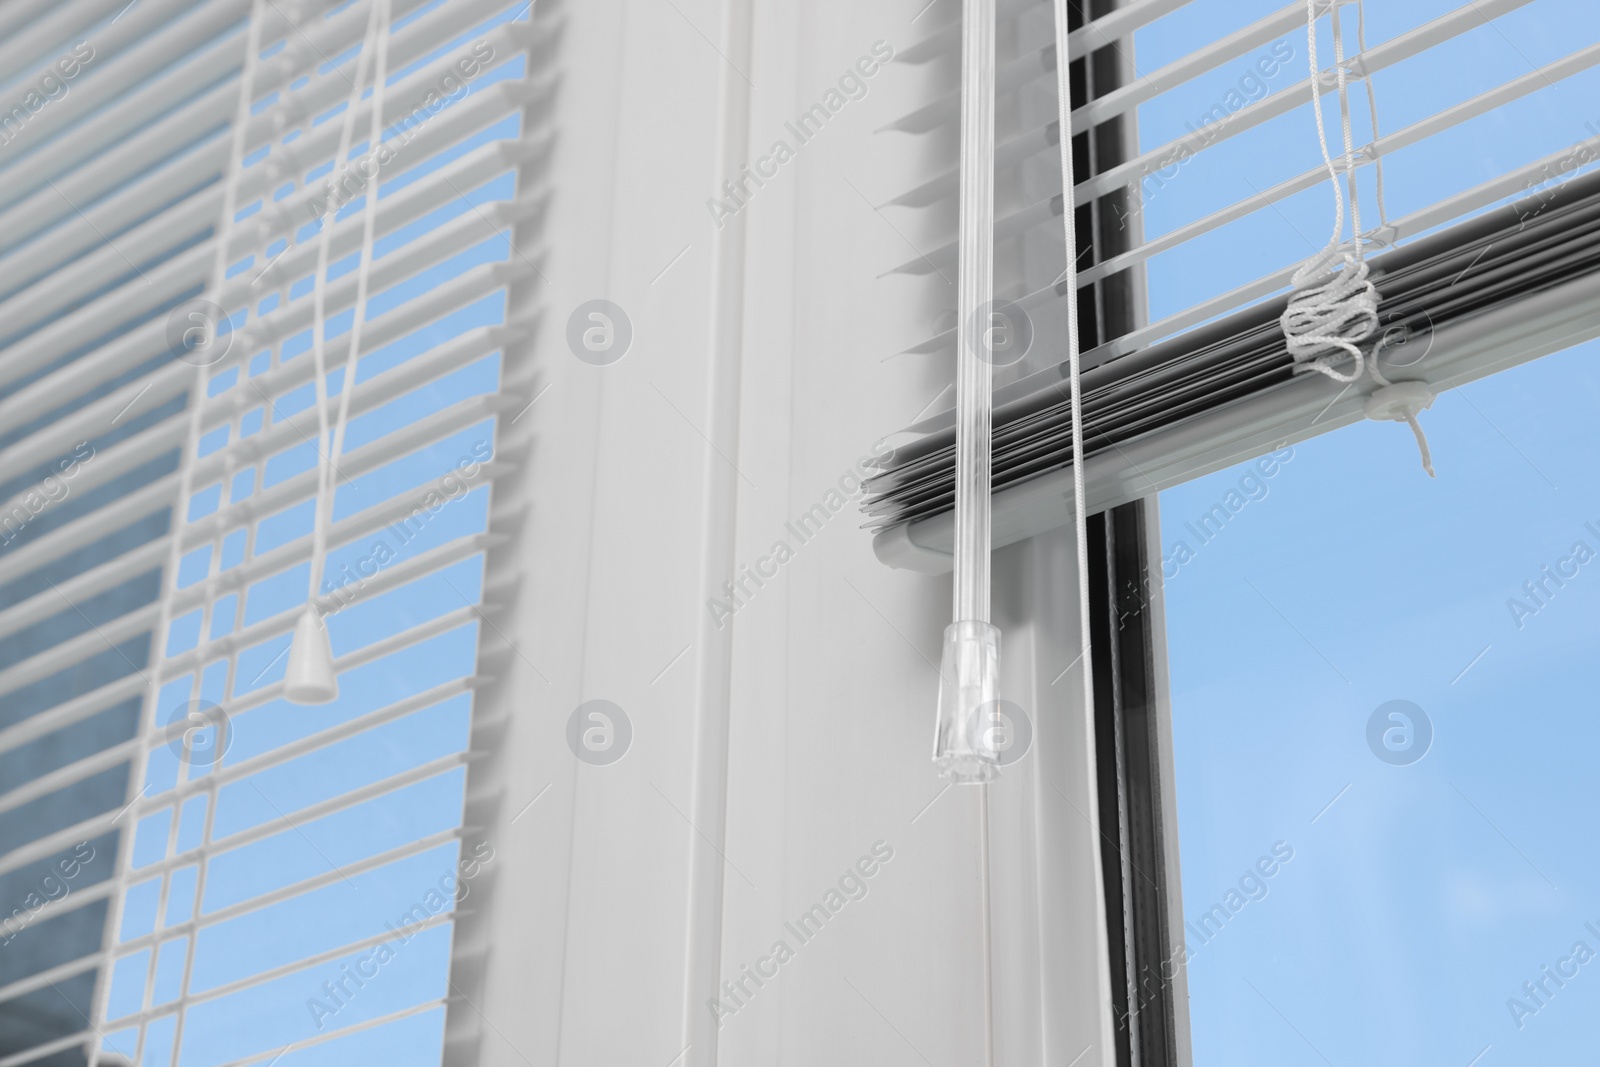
(1487, 264)
(1453, 83)
(246, 852)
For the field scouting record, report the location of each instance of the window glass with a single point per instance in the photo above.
(1219, 159)
(1383, 702)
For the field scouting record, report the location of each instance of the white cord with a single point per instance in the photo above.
(1080, 514)
(985, 905)
(1333, 307)
(369, 220)
(1372, 109)
(1335, 304)
(1422, 442)
(1403, 402)
(319, 328)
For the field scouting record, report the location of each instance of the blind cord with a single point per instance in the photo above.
(319, 328)
(369, 221)
(1372, 109)
(1080, 511)
(310, 677)
(1335, 304)
(1332, 307)
(1080, 516)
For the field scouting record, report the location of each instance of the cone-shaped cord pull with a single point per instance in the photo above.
(311, 678)
(969, 684)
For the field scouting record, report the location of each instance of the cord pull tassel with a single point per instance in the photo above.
(1403, 402)
(311, 678)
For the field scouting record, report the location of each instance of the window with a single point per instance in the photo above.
(194, 869)
(1394, 940)
(1470, 140)
(1381, 709)
(644, 291)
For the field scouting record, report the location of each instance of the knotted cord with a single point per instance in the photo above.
(1335, 305)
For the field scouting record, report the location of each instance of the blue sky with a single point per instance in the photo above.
(1420, 897)
(1546, 122)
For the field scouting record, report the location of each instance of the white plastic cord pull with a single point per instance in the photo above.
(969, 686)
(310, 678)
(972, 646)
(1403, 402)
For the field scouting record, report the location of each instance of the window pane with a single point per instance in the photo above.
(1385, 740)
